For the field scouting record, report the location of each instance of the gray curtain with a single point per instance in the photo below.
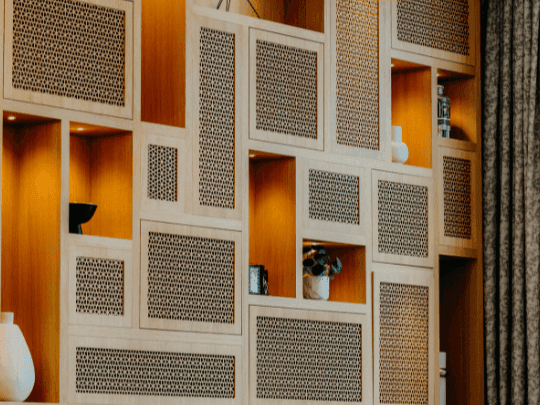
(511, 169)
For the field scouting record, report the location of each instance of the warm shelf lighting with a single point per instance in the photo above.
(80, 129)
(11, 117)
(251, 155)
(392, 65)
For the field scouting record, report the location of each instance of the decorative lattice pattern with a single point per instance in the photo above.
(190, 278)
(162, 173)
(403, 344)
(403, 219)
(69, 48)
(286, 95)
(99, 286)
(216, 118)
(357, 66)
(457, 197)
(140, 372)
(438, 24)
(334, 197)
(289, 363)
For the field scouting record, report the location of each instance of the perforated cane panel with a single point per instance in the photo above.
(438, 24)
(162, 173)
(286, 90)
(357, 66)
(404, 344)
(190, 278)
(457, 197)
(403, 219)
(334, 197)
(69, 48)
(99, 286)
(289, 362)
(216, 118)
(139, 372)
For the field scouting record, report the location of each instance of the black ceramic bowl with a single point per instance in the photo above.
(80, 213)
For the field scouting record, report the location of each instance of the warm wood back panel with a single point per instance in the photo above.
(31, 246)
(350, 284)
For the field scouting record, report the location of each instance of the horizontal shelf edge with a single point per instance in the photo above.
(100, 241)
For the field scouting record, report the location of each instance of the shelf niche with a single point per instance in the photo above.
(272, 220)
(461, 328)
(411, 109)
(460, 88)
(350, 284)
(101, 173)
(302, 14)
(163, 62)
(30, 279)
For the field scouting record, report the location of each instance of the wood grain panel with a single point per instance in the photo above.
(272, 223)
(350, 284)
(79, 169)
(31, 246)
(462, 108)
(411, 109)
(163, 62)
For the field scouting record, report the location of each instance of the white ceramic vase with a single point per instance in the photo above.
(400, 151)
(17, 374)
(317, 287)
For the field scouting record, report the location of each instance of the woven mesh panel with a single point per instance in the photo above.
(403, 219)
(286, 95)
(403, 344)
(139, 372)
(357, 64)
(438, 24)
(99, 286)
(190, 278)
(69, 48)
(457, 197)
(162, 173)
(289, 362)
(334, 197)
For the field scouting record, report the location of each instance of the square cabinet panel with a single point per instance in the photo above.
(70, 53)
(132, 372)
(100, 286)
(286, 90)
(190, 278)
(402, 219)
(301, 357)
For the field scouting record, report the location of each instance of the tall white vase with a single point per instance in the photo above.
(400, 151)
(17, 375)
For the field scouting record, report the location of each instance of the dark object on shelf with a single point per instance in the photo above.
(317, 262)
(228, 6)
(80, 213)
(258, 280)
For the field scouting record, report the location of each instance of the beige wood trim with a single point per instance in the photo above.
(276, 137)
(99, 241)
(393, 258)
(443, 239)
(254, 312)
(456, 144)
(69, 102)
(157, 346)
(193, 326)
(123, 321)
(191, 220)
(411, 276)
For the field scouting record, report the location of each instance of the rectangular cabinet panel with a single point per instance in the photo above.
(190, 278)
(299, 357)
(443, 29)
(70, 53)
(100, 286)
(117, 371)
(457, 198)
(403, 337)
(285, 90)
(217, 88)
(402, 219)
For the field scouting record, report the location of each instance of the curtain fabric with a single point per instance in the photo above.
(511, 215)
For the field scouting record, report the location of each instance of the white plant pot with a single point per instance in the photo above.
(317, 287)
(400, 151)
(17, 374)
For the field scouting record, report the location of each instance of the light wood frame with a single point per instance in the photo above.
(276, 137)
(411, 276)
(393, 258)
(113, 252)
(150, 345)
(254, 312)
(189, 326)
(69, 102)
